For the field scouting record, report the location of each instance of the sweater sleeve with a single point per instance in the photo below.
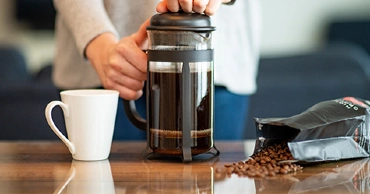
(86, 19)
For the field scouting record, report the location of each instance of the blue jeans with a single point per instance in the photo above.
(231, 113)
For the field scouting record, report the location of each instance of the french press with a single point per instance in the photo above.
(179, 86)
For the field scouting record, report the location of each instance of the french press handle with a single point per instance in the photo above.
(133, 115)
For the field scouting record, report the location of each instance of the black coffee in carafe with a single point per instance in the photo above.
(179, 85)
(165, 120)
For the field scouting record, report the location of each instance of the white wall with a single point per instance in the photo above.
(293, 26)
(289, 27)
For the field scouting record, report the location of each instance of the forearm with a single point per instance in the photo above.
(86, 19)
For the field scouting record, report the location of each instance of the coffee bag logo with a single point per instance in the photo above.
(352, 103)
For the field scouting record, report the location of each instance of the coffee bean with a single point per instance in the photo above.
(260, 175)
(283, 171)
(272, 173)
(251, 174)
(270, 161)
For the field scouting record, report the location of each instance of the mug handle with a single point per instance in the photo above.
(52, 125)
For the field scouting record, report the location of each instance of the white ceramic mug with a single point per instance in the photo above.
(88, 177)
(89, 117)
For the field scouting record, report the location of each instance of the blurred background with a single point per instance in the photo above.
(311, 51)
(28, 25)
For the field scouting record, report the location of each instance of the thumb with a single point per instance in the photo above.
(140, 37)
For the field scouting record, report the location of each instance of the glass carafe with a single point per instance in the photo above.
(180, 84)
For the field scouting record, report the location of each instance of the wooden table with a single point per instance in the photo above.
(47, 167)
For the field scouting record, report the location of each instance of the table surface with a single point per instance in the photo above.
(47, 167)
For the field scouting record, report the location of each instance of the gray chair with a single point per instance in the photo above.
(13, 66)
(350, 31)
(289, 85)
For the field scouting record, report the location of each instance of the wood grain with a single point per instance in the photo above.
(46, 167)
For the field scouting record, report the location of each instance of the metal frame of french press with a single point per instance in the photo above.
(185, 57)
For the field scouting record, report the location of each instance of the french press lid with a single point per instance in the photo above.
(180, 21)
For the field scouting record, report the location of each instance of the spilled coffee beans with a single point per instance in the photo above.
(270, 161)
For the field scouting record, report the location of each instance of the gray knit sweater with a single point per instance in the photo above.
(236, 40)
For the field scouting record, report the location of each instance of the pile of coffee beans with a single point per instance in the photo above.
(270, 161)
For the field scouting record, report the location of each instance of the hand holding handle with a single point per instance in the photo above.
(52, 125)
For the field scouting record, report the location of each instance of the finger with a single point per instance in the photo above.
(226, 1)
(126, 85)
(129, 48)
(162, 7)
(141, 35)
(199, 5)
(134, 56)
(173, 5)
(186, 5)
(120, 64)
(212, 7)
(128, 94)
(127, 82)
(125, 92)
